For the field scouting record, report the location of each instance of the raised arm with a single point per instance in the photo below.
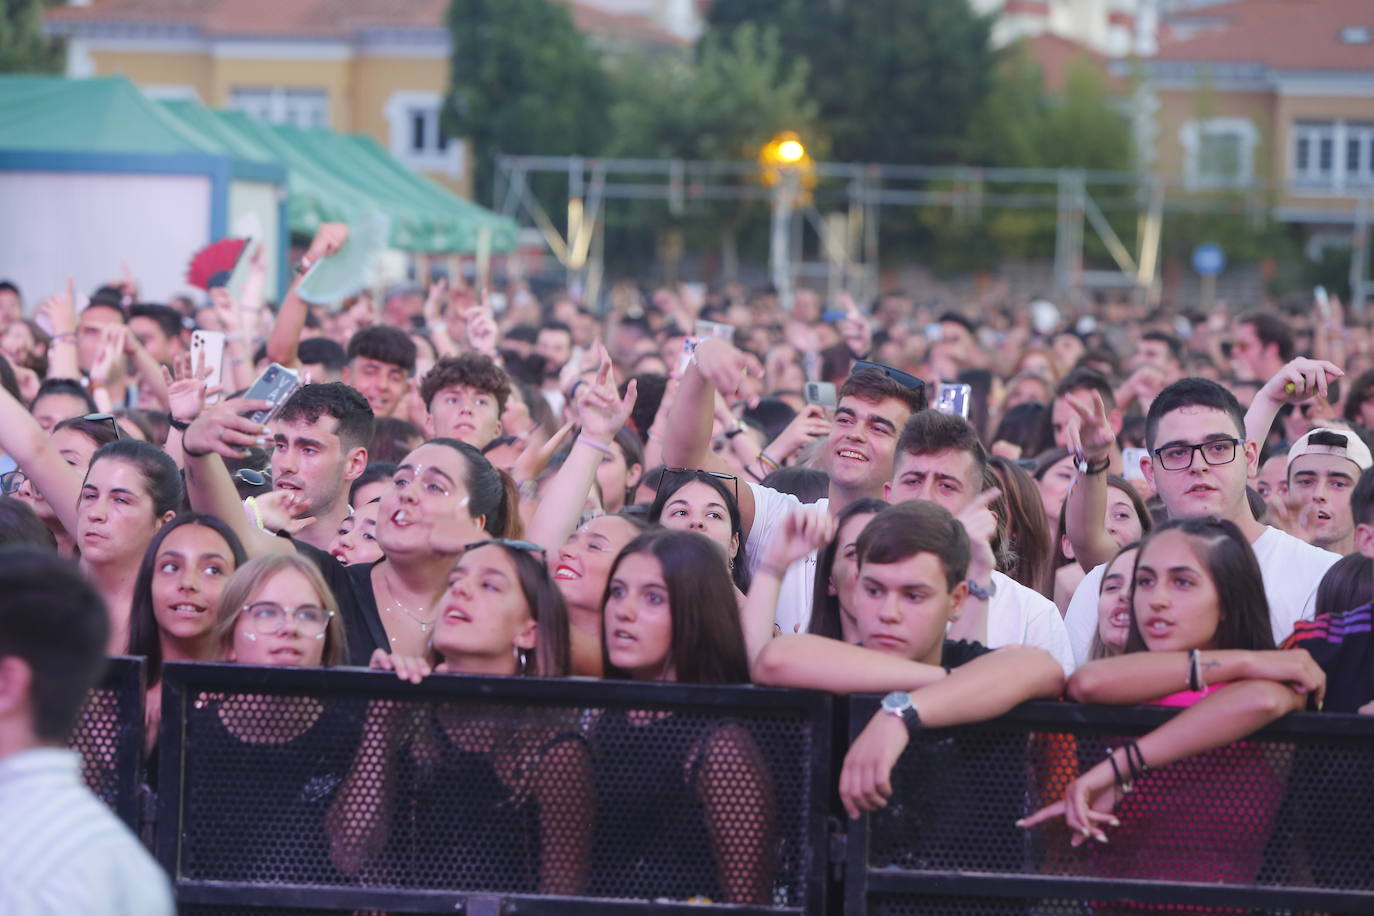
(1215, 721)
(1300, 380)
(285, 339)
(603, 413)
(24, 440)
(1088, 432)
(716, 366)
(218, 433)
(61, 311)
(803, 531)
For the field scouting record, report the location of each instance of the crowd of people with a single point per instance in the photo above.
(962, 510)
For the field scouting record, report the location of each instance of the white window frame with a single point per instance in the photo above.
(400, 110)
(296, 105)
(1192, 134)
(1339, 176)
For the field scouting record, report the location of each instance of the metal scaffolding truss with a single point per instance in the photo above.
(841, 201)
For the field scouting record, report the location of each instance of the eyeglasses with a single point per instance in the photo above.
(511, 544)
(106, 418)
(252, 478)
(1180, 457)
(11, 481)
(269, 618)
(905, 379)
(662, 489)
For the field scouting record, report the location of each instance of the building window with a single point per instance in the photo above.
(417, 133)
(279, 105)
(1333, 155)
(1219, 152)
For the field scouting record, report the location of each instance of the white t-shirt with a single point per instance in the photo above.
(1021, 616)
(1292, 570)
(771, 508)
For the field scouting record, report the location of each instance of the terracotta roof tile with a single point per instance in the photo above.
(1281, 34)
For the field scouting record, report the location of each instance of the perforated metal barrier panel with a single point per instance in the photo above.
(109, 738)
(1281, 822)
(346, 790)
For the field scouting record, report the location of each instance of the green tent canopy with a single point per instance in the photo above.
(335, 178)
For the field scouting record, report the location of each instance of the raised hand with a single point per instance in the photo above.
(283, 510)
(539, 452)
(113, 343)
(725, 367)
(221, 429)
(809, 424)
(186, 389)
(1088, 432)
(481, 326)
(980, 522)
(328, 239)
(803, 531)
(600, 407)
(1300, 380)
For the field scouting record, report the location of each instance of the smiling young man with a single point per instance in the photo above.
(381, 360)
(465, 396)
(874, 404)
(319, 448)
(1199, 464)
(940, 460)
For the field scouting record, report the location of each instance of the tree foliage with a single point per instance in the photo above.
(23, 46)
(894, 80)
(524, 80)
(740, 91)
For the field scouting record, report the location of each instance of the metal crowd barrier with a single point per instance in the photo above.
(299, 791)
(293, 790)
(1280, 823)
(109, 738)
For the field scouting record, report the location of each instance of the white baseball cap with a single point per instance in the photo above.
(1350, 447)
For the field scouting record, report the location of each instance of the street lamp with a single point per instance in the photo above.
(785, 165)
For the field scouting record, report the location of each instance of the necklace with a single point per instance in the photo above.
(393, 604)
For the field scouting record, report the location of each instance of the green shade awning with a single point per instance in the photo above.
(336, 178)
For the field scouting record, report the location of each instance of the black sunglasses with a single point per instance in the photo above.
(253, 478)
(905, 379)
(509, 544)
(105, 418)
(692, 472)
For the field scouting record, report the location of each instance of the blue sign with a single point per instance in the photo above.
(1208, 260)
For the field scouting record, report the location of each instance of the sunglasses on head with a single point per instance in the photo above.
(11, 481)
(510, 544)
(905, 379)
(253, 477)
(691, 472)
(106, 418)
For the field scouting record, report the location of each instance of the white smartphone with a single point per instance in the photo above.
(207, 350)
(705, 329)
(822, 393)
(275, 385)
(954, 399)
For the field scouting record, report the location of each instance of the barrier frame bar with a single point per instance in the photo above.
(861, 882)
(182, 683)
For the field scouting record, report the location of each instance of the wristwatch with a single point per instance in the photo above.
(981, 592)
(898, 703)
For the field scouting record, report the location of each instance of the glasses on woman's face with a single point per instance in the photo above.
(1179, 456)
(678, 473)
(106, 418)
(11, 482)
(269, 618)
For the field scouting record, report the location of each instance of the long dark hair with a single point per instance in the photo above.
(707, 642)
(825, 607)
(1230, 562)
(1027, 539)
(1348, 584)
(553, 650)
(144, 637)
(672, 481)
